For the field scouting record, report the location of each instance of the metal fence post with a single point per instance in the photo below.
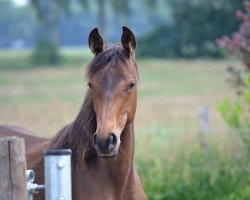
(32, 188)
(57, 170)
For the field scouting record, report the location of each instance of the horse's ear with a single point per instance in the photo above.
(95, 42)
(128, 40)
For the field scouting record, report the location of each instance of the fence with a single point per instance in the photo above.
(17, 183)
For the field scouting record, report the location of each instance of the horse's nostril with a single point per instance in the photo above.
(105, 145)
(95, 140)
(112, 140)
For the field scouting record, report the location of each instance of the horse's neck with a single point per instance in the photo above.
(120, 169)
(89, 167)
(107, 176)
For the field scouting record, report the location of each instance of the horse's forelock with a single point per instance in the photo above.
(111, 53)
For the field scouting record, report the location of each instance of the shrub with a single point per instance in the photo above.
(236, 112)
(239, 43)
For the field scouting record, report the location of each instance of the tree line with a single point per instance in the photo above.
(170, 28)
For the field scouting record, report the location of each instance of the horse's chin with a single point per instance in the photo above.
(107, 155)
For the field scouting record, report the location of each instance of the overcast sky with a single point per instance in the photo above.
(20, 2)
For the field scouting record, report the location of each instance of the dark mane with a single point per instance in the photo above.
(78, 135)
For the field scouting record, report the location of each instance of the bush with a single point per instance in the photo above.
(239, 43)
(236, 113)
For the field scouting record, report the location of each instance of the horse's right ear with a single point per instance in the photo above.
(95, 42)
(128, 40)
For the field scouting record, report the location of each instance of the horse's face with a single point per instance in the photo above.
(114, 94)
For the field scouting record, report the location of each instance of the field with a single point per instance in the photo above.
(173, 159)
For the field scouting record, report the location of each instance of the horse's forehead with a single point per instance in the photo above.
(114, 73)
(110, 77)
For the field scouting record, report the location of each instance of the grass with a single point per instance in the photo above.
(22, 59)
(173, 159)
(170, 91)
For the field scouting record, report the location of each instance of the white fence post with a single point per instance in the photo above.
(57, 170)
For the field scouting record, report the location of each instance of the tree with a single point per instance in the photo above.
(120, 8)
(239, 43)
(48, 38)
(194, 26)
(200, 22)
(16, 25)
(48, 14)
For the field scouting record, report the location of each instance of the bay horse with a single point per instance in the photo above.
(102, 135)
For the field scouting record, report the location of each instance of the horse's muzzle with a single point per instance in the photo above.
(105, 147)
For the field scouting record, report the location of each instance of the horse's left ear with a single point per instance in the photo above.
(95, 42)
(128, 41)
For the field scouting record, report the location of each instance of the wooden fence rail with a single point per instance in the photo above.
(12, 169)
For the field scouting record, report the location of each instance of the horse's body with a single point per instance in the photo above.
(106, 169)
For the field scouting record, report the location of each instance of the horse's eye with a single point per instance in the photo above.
(89, 85)
(131, 86)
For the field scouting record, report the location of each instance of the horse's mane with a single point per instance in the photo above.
(77, 136)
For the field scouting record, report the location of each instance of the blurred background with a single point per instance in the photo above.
(193, 115)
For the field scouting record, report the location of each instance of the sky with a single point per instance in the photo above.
(20, 2)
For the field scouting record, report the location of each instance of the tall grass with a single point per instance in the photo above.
(183, 167)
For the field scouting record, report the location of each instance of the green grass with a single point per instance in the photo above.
(15, 59)
(182, 77)
(22, 59)
(172, 158)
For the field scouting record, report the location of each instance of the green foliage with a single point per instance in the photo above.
(160, 43)
(46, 53)
(184, 169)
(48, 39)
(236, 113)
(16, 23)
(42, 12)
(231, 111)
(196, 24)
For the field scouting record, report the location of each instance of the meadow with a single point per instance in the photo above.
(174, 160)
